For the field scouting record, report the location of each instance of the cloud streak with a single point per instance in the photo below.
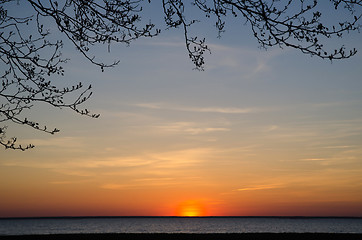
(259, 187)
(190, 128)
(225, 110)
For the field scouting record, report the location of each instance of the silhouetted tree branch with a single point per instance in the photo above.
(174, 17)
(29, 62)
(297, 24)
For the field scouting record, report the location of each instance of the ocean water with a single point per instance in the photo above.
(179, 225)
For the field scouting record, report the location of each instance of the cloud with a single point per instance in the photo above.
(231, 59)
(111, 186)
(111, 162)
(72, 171)
(259, 187)
(86, 167)
(340, 147)
(149, 105)
(251, 62)
(68, 182)
(222, 110)
(175, 162)
(172, 43)
(225, 110)
(313, 159)
(60, 142)
(271, 128)
(181, 158)
(335, 104)
(143, 182)
(191, 128)
(154, 179)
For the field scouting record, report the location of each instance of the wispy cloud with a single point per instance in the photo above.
(87, 167)
(68, 182)
(340, 147)
(251, 62)
(181, 158)
(313, 159)
(149, 105)
(112, 186)
(94, 167)
(226, 110)
(61, 142)
(190, 128)
(335, 104)
(222, 110)
(119, 162)
(230, 58)
(171, 43)
(271, 128)
(260, 187)
(141, 183)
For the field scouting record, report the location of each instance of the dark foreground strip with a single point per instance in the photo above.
(185, 236)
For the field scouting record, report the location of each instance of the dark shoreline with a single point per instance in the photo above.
(186, 236)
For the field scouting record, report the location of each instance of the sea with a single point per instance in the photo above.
(67, 225)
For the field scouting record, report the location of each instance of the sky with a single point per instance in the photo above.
(258, 133)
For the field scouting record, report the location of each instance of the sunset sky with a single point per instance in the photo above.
(258, 133)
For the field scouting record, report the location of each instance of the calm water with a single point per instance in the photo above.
(178, 225)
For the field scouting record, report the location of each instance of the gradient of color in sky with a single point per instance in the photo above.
(257, 133)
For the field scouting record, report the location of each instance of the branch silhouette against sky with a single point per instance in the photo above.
(31, 56)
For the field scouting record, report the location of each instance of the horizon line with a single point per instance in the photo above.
(74, 217)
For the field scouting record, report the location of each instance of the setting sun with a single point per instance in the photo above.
(190, 209)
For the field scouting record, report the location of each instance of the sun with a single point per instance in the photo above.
(190, 211)
(190, 208)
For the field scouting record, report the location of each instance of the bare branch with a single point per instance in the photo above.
(29, 63)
